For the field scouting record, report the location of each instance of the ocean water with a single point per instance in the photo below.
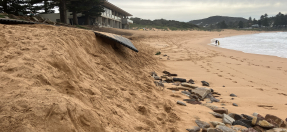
(274, 44)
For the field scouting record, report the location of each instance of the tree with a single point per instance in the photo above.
(82, 6)
(95, 11)
(240, 24)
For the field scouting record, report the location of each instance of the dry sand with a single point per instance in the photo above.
(64, 79)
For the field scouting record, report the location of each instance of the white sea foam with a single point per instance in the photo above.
(274, 44)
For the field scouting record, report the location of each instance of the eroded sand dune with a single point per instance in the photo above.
(65, 79)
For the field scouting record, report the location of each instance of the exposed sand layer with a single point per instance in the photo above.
(63, 79)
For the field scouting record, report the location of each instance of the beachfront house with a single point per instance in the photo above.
(113, 17)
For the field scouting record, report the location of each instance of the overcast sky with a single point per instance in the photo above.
(186, 10)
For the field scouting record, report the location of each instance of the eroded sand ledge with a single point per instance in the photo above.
(64, 79)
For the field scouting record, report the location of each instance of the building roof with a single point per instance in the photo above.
(115, 8)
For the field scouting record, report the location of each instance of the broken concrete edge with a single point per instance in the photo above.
(116, 39)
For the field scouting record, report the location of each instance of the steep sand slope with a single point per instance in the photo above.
(63, 79)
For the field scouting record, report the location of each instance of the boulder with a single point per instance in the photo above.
(194, 129)
(215, 123)
(262, 123)
(227, 119)
(217, 115)
(220, 110)
(247, 122)
(202, 124)
(202, 92)
(181, 103)
(234, 104)
(235, 128)
(224, 128)
(188, 85)
(277, 122)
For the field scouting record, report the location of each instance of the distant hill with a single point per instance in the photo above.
(217, 19)
(162, 24)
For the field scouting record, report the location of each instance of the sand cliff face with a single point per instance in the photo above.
(64, 79)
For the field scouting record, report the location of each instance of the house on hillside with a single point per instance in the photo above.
(113, 17)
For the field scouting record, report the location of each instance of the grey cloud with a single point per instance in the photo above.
(185, 10)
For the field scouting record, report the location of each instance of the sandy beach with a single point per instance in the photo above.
(65, 79)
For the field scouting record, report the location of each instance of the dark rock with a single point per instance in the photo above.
(247, 117)
(204, 83)
(220, 110)
(172, 74)
(216, 93)
(232, 98)
(202, 92)
(249, 130)
(190, 91)
(190, 81)
(181, 103)
(194, 129)
(224, 128)
(166, 72)
(217, 115)
(179, 79)
(239, 122)
(277, 122)
(211, 97)
(234, 104)
(237, 117)
(164, 55)
(259, 129)
(261, 117)
(202, 124)
(233, 95)
(247, 122)
(212, 90)
(157, 78)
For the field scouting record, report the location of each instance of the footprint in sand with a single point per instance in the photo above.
(275, 88)
(220, 75)
(234, 81)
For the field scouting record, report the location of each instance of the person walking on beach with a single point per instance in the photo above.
(216, 42)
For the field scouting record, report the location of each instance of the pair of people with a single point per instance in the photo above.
(217, 43)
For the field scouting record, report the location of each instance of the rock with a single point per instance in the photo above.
(247, 117)
(277, 130)
(166, 72)
(181, 103)
(234, 104)
(179, 79)
(227, 119)
(157, 78)
(188, 85)
(248, 130)
(213, 130)
(202, 124)
(186, 92)
(247, 122)
(223, 86)
(217, 115)
(212, 99)
(237, 117)
(212, 107)
(153, 74)
(190, 81)
(202, 92)
(261, 123)
(255, 114)
(220, 110)
(233, 95)
(204, 83)
(224, 128)
(215, 123)
(239, 122)
(259, 129)
(232, 98)
(261, 117)
(194, 102)
(194, 129)
(189, 100)
(204, 130)
(235, 128)
(277, 122)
